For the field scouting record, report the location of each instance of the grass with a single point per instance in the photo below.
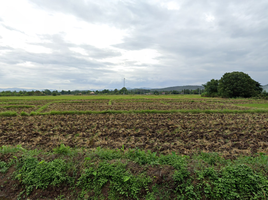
(136, 174)
(253, 105)
(44, 107)
(194, 111)
(18, 106)
(8, 114)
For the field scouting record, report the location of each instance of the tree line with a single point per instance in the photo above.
(97, 92)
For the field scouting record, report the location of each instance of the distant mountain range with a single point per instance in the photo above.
(177, 88)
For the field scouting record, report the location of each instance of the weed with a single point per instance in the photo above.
(62, 149)
(3, 167)
(121, 181)
(35, 174)
(10, 149)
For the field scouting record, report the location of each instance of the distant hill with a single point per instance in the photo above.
(179, 88)
(265, 87)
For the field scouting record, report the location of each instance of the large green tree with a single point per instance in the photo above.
(211, 88)
(238, 84)
(123, 91)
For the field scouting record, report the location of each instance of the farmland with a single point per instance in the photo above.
(160, 143)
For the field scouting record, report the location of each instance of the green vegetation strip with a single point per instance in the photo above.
(135, 174)
(128, 112)
(8, 114)
(253, 105)
(13, 103)
(150, 111)
(44, 107)
(91, 101)
(18, 106)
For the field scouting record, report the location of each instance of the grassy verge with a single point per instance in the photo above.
(151, 111)
(253, 105)
(44, 107)
(18, 106)
(8, 114)
(130, 174)
(38, 112)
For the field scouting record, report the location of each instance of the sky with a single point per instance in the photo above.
(89, 44)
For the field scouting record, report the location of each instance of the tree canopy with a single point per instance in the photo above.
(238, 84)
(211, 87)
(233, 84)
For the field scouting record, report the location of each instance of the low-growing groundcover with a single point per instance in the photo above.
(68, 173)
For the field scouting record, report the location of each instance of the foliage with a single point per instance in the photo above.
(3, 167)
(263, 95)
(10, 149)
(238, 84)
(211, 88)
(121, 181)
(63, 150)
(204, 176)
(35, 174)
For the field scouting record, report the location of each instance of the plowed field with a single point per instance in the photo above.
(141, 105)
(229, 134)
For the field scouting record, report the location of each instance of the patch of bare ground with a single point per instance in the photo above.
(228, 134)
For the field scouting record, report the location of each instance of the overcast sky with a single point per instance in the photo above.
(89, 44)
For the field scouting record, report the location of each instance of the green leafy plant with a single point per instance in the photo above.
(4, 167)
(11, 149)
(35, 174)
(121, 181)
(62, 149)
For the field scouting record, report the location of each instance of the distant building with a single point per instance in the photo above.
(163, 93)
(92, 93)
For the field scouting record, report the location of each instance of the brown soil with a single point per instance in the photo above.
(229, 134)
(141, 105)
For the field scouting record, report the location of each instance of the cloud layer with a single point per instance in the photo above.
(152, 43)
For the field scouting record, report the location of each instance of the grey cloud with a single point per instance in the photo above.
(57, 44)
(21, 56)
(5, 47)
(11, 28)
(99, 53)
(123, 14)
(192, 50)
